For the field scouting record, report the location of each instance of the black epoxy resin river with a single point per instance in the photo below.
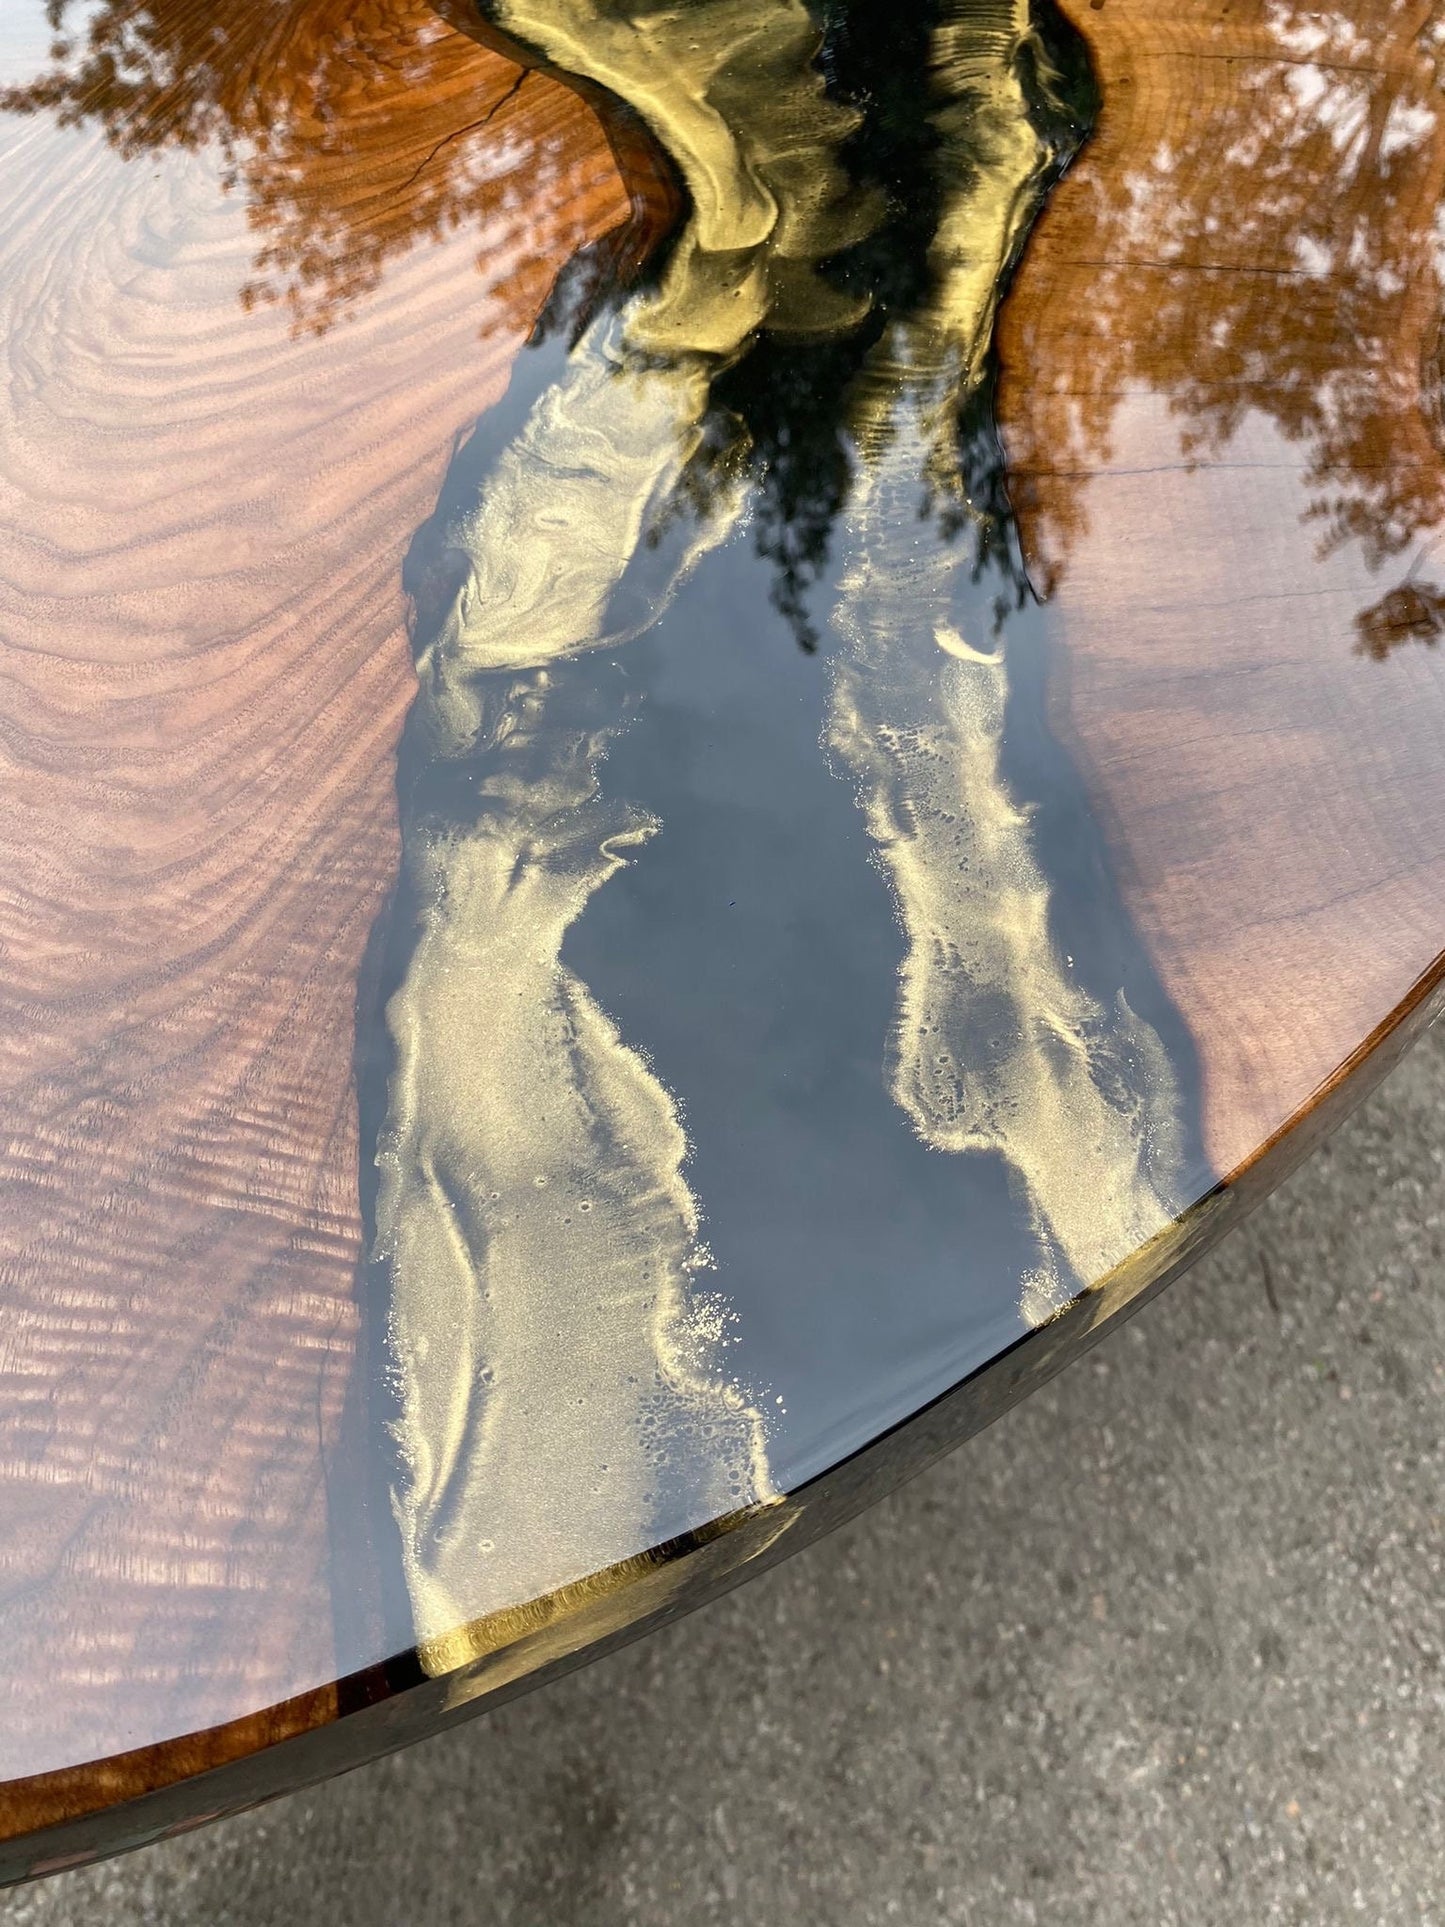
(742, 1031)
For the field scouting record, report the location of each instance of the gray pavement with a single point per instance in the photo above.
(1164, 1646)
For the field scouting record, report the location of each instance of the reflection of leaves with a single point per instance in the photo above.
(1413, 612)
(781, 414)
(779, 411)
(1269, 268)
(988, 512)
(150, 75)
(353, 127)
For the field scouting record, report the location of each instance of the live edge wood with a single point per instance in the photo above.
(223, 428)
(1221, 405)
(1220, 402)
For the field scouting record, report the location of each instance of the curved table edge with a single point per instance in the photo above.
(65, 1819)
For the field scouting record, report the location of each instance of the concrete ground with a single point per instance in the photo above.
(1164, 1646)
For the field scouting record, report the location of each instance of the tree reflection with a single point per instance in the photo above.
(1272, 257)
(786, 410)
(780, 410)
(354, 129)
(1271, 261)
(1413, 612)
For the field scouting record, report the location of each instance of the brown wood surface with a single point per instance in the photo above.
(1221, 405)
(243, 318)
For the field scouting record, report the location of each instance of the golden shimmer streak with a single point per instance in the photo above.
(730, 90)
(513, 1644)
(996, 1047)
(562, 1402)
(554, 1367)
(562, 1399)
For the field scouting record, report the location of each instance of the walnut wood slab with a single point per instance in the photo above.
(228, 407)
(1222, 401)
(259, 313)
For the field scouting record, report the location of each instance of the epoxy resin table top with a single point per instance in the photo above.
(713, 724)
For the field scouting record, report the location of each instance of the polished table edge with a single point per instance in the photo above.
(64, 1819)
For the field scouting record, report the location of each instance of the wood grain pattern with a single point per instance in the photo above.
(1221, 403)
(243, 323)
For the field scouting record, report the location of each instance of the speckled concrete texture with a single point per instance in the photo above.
(1164, 1646)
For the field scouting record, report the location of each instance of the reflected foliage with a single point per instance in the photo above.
(354, 129)
(1413, 612)
(1272, 259)
(782, 411)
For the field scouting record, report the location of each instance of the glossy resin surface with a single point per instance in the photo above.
(714, 723)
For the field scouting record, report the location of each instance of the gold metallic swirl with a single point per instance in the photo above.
(561, 1397)
(996, 1046)
(730, 90)
(563, 1403)
(562, 1400)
